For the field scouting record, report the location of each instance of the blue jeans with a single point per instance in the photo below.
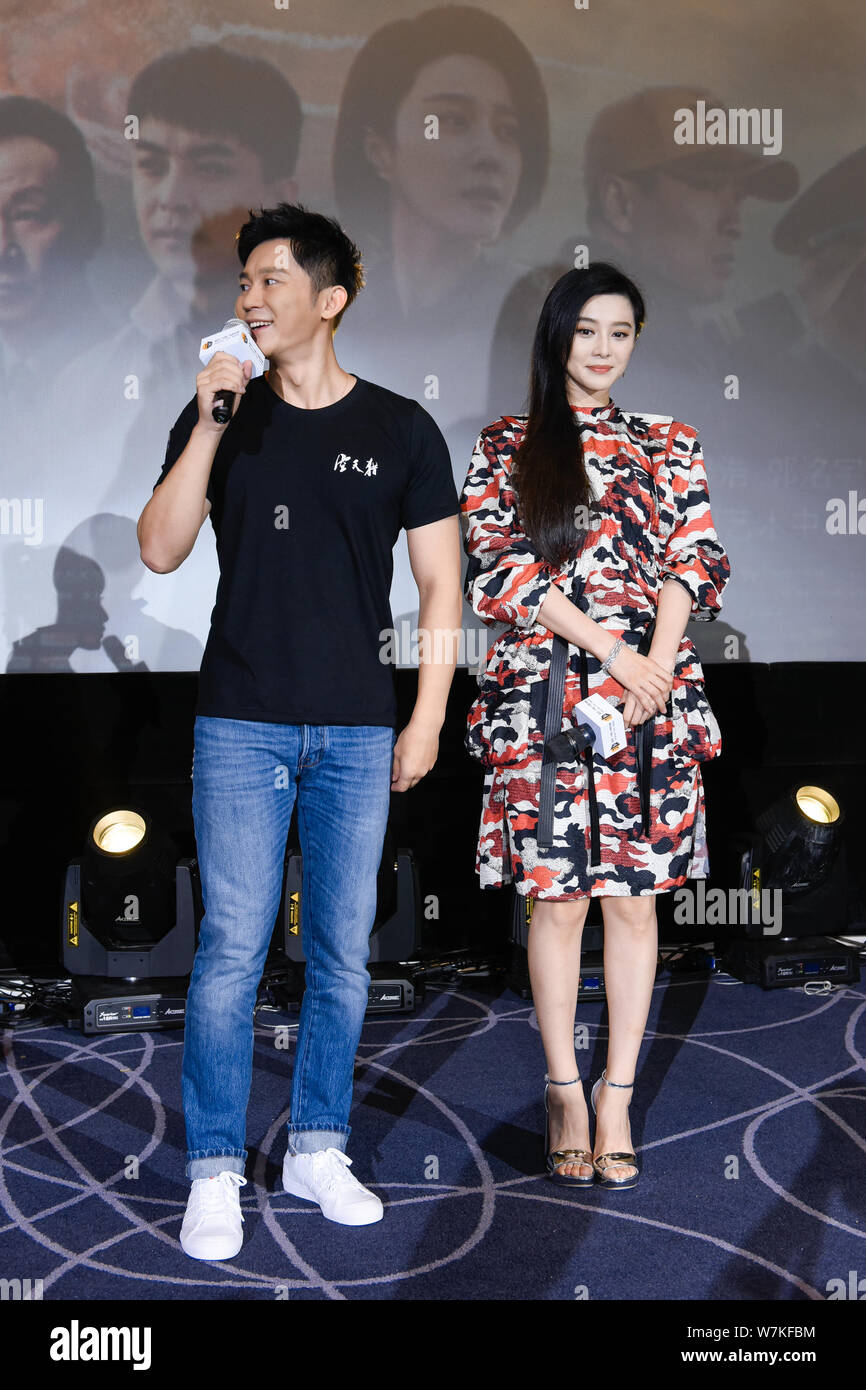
(246, 776)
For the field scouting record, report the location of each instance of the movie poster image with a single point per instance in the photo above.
(474, 153)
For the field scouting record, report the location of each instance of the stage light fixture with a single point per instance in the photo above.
(119, 832)
(801, 839)
(130, 913)
(817, 805)
(128, 889)
(793, 864)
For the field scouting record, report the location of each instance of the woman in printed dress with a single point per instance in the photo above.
(581, 501)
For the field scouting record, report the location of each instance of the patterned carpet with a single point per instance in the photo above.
(748, 1115)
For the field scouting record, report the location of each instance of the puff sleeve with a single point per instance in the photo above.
(693, 553)
(506, 581)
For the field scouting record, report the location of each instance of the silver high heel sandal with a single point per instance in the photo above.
(558, 1157)
(605, 1161)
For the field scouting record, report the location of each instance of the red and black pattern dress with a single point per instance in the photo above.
(651, 522)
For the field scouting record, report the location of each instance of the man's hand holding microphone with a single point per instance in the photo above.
(221, 383)
(169, 524)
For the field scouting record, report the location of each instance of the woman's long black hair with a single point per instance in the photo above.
(549, 474)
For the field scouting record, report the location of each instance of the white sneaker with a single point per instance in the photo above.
(324, 1177)
(211, 1228)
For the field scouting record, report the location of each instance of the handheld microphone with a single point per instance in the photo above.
(601, 725)
(236, 338)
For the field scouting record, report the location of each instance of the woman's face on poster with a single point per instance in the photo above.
(31, 226)
(462, 181)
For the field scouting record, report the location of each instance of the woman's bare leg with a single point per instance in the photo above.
(630, 958)
(555, 934)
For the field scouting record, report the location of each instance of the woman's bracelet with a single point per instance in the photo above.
(612, 654)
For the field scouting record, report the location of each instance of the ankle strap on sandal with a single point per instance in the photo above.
(561, 1083)
(620, 1086)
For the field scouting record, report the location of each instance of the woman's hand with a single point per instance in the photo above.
(633, 712)
(646, 681)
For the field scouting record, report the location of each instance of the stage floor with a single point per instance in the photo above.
(748, 1116)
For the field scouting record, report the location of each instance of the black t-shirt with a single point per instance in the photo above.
(306, 507)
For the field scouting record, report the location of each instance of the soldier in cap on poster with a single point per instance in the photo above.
(809, 343)
(669, 215)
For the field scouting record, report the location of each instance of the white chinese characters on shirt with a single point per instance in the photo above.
(368, 469)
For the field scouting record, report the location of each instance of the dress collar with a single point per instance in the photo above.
(593, 413)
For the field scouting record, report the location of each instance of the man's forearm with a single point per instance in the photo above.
(439, 617)
(169, 524)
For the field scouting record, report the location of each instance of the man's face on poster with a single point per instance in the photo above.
(833, 287)
(687, 230)
(192, 192)
(31, 228)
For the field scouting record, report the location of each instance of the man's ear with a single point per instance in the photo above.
(334, 299)
(617, 201)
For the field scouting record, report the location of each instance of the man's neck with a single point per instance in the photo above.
(310, 380)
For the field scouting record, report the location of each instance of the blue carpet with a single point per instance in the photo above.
(748, 1115)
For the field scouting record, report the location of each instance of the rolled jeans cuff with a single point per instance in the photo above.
(209, 1165)
(308, 1141)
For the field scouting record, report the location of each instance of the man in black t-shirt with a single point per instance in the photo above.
(307, 488)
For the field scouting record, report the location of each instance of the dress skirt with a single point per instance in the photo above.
(631, 863)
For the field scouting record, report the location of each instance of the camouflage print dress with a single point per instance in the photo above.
(651, 522)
